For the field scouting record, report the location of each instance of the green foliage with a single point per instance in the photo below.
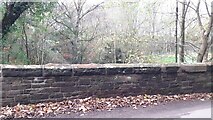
(2, 10)
(41, 10)
(18, 55)
(165, 59)
(125, 35)
(15, 43)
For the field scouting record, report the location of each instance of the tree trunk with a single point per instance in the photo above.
(26, 42)
(205, 35)
(182, 39)
(206, 56)
(203, 49)
(13, 12)
(176, 33)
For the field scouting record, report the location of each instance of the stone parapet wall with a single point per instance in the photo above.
(55, 82)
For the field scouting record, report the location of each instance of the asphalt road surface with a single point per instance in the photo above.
(180, 109)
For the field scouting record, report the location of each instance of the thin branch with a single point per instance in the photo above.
(90, 10)
(76, 6)
(26, 40)
(193, 4)
(81, 5)
(187, 6)
(199, 18)
(195, 49)
(198, 6)
(55, 19)
(88, 40)
(207, 9)
(67, 42)
(191, 22)
(69, 15)
(192, 45)
(51, 24)
(210, 22)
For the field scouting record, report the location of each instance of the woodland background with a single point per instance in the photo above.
(110, 31)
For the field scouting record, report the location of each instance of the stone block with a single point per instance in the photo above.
(39, 96)
(69, 89)
(118, 71)
(50, 90)
(20, 86)
(174, 84)
(21, 72)
(67, 78)
(63, 84)
(84, 81)
(187, 83)
(56, 95)
(194, 68)
(12, 93)
(6, 87)
(89, 71)
(57, 72)
(170, 69)
(210, 67)
(107, 86)
(22, 98)
(40, 85)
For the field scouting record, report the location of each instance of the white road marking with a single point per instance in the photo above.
(203, 113)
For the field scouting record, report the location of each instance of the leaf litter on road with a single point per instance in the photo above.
(85, 105)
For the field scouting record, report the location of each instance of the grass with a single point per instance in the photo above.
(167, 59)
(162, 59)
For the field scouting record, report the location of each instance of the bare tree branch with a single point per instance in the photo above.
(69, 15)
(71, 29)
(207, 9)
(199, 18)
(188, 5)
(91, 9)
(210, 23)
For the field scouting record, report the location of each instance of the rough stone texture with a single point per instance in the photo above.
(32, 84)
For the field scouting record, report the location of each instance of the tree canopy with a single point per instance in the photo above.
(12, 13)
(122, 31)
